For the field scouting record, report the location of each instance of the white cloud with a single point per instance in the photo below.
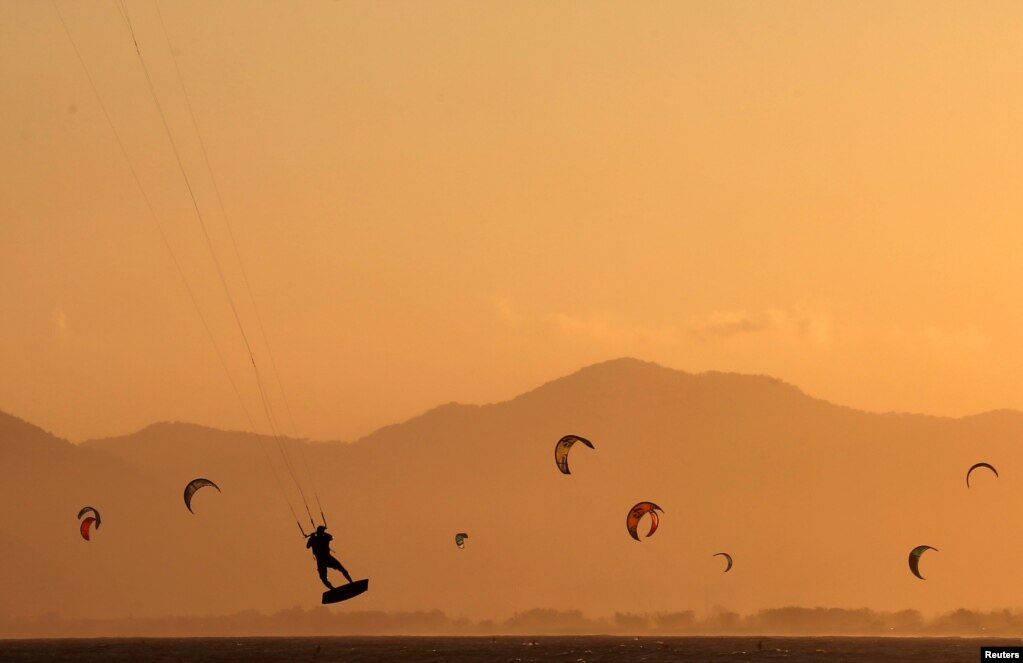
(786, 324)
(771, 325)
(600, 327)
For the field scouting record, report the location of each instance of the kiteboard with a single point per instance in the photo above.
(345, 592)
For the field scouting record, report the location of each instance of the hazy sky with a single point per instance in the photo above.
(439, 201)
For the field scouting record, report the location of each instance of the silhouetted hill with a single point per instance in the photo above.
(188, 450)
(45, 481)
(819, 505)
(17, 435)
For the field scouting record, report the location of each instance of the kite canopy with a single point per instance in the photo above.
(194, 485)
(87, 509)
(562, 448)
(728, 558)
(637, 512)
(86, 524)
(975, 466)
(914, 559)
(460, 539)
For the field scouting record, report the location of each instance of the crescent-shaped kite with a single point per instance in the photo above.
(728, 558)
(86, 509)
(975, 466)
(562, 448)
(84, 529)
(194, 485)
(460, 539)
(637, 512)
(914, 559)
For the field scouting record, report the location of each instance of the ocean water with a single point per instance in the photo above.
(510, 649)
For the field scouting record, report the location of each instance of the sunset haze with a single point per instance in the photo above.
(765, 255)
(455, 201)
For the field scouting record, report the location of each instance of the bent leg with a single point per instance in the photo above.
(335, 564)
(322, 569)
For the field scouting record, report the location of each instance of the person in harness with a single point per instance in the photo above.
(319, 543)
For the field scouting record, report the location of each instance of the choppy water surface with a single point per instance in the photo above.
(511, 649)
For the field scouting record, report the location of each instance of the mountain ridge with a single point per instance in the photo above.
(628, 369)
(746, 464)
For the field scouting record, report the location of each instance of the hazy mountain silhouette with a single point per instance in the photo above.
(818, 504)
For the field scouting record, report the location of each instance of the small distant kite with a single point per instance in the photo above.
(914, 559)
(562, 448)
(636, 514)
(195, 485)
(975, 466)
(460, 539)
(87, 509)
(86, 524)
(728, 558)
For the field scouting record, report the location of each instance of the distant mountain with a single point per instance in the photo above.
(818, 504)
(18, 436)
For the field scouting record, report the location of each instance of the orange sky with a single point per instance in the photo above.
(459, 200)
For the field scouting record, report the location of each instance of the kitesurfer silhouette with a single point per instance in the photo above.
(319, 543)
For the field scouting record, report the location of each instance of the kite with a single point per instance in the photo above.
(562, 448)
(914, 559)
(637, 512)
(84, 529)
(195, 485)
(86, 509)
(975, 466)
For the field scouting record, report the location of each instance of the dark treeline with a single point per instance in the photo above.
(539, 621)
